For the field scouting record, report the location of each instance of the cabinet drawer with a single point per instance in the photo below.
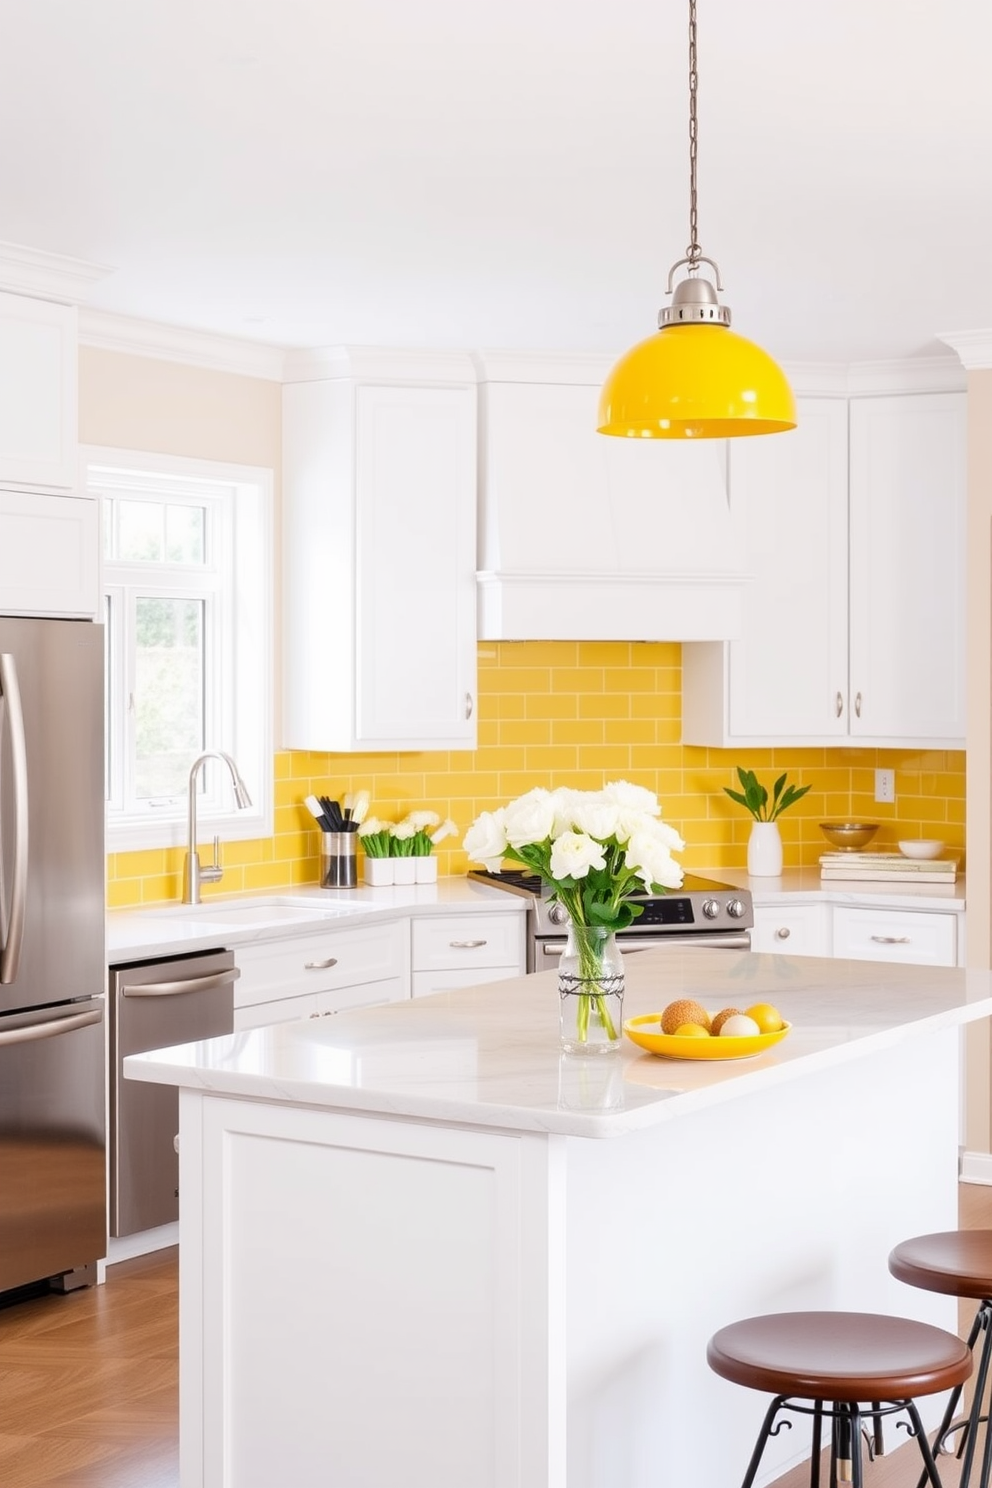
(324, 962)
(425, 982)
(791, 930)
(456, 942)
(926, 939)
(318, 1005)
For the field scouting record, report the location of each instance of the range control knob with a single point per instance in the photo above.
(710, 908)
(735, 909)
(557, 914)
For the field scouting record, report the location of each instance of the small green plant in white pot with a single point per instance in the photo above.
(764, 847)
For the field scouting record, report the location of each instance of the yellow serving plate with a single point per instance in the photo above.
(646, 1031)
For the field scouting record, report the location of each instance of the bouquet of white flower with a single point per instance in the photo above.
(594, 848)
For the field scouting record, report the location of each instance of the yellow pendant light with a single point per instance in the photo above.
(695, 378)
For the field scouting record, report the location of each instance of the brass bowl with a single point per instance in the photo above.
(849, 836)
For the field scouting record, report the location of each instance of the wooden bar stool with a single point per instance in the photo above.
(836, 1360)
(957, 1263)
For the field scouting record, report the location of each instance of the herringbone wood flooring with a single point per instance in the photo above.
(89, 1381)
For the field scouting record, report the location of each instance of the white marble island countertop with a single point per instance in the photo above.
(488, 1056)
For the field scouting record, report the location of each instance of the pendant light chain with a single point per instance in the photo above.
(694, 252)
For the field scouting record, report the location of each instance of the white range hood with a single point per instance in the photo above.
(583, 537)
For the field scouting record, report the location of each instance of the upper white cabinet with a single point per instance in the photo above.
(49, 555)
(853, 629)
(379, 504)
(584, 537)
(38, 393)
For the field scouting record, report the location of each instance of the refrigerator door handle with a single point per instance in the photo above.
(49, 1027)
(10, 951)
(187, 984)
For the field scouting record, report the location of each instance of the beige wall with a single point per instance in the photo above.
(979, 758)
(138, 403)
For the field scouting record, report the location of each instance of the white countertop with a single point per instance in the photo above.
(222, 921)
(805, 884)
(488, 1056)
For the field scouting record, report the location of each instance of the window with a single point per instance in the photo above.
(188, 610)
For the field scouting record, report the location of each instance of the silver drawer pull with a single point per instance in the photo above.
(857, 705)
(466, 945)
(320, 965)
(839, 705)
(783, 934)
(891, 939)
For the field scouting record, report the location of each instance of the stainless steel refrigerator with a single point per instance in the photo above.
(52, 968)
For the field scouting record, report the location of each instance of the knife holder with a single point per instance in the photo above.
(338, 860)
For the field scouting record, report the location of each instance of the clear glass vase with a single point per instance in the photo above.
(590, 987)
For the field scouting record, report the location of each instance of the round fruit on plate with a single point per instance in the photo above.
(730, 1034)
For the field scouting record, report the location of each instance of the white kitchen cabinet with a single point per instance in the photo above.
(321, 972)
(853, 628)
(583, 537)
(38, 393)
(917, 937)
(791, 929)
(461, 950)
(49, 555)
(379, 503)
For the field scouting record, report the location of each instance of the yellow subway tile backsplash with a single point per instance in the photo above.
(578, 714)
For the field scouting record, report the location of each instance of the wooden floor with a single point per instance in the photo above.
(89, 1383)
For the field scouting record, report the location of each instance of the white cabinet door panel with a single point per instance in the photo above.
(791, 930)
(908, 502)
(789, 675)
(38, 382)
(49, 555)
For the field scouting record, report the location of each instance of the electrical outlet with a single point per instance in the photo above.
(885, 786)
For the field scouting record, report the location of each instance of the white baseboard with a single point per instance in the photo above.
(144, 1243)
(976, 1167)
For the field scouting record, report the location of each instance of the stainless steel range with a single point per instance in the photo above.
(701, 913)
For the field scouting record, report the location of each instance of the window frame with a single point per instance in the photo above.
(244, 530)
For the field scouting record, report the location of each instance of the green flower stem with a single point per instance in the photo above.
(590, 950)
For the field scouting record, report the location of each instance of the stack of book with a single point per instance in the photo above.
(886, 867)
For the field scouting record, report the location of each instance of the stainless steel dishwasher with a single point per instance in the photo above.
(154, 1004)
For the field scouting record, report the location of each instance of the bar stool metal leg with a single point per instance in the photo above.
(763, 1435)
(930, 1474)
(982, 1322)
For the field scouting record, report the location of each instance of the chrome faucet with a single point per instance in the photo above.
(193, 874)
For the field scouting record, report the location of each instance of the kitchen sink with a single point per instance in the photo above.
(280, 909)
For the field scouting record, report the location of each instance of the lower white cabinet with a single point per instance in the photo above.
(792, 929)
(918, 937)
(49, 555)
(855, 932)
(460, 950)
(325, 972)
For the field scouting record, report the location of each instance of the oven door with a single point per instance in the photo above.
(548, 948)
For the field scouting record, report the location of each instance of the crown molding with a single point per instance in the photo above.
(580, 368)
(973, 347)
(47, 276)
(379, 363)
(936, 374)
(121, 333)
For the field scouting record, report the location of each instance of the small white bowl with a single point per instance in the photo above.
(922, 847)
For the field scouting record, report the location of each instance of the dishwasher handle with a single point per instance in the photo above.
(185, 984)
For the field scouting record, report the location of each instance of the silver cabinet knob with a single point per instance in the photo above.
(783, 933)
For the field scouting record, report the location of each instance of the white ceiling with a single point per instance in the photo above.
(507, 173)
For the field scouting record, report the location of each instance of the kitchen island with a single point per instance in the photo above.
(421, 1247)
